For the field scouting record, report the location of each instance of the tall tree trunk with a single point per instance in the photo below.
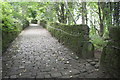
(84, 13)
(83, 17)
(101, 18)
(62, 13)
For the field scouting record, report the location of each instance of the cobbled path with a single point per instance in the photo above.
(36, 54)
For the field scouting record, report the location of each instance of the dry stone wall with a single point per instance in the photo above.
(75, 37)
(110, 58)
(9, 35)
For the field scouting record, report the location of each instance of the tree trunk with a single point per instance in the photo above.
(83, 17)
(101, 18)
(84, 13)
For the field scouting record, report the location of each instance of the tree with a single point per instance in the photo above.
(67, 7)
(101, 18)
(84, 13)
(61, 12)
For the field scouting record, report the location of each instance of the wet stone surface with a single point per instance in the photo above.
(36, 54)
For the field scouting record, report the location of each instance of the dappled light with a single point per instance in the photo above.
(60, 40)
(34, 31)
(34, 25)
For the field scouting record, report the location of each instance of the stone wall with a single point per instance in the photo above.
(110, 58)
(74, 37)
(9, 35)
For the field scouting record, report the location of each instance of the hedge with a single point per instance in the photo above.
(9, 35)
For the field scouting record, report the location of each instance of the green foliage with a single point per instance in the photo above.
(98, 41)
(34, 21)
(32, 14)
(7, 19)
(15, 16)
(12, 24)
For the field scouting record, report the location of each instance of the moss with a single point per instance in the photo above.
(73, 29)
(88, 50)
(111, 54)
(9, 36)
(73, 36)
(114, 33)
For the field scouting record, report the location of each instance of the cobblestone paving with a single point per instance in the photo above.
(36, 54)
(0, 67)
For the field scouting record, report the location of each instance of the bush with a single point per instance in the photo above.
(8, 35)
(98, 41)
(12, 24)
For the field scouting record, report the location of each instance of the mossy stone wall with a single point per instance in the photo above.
(73, 36)
(110, 58)
(9, 35)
